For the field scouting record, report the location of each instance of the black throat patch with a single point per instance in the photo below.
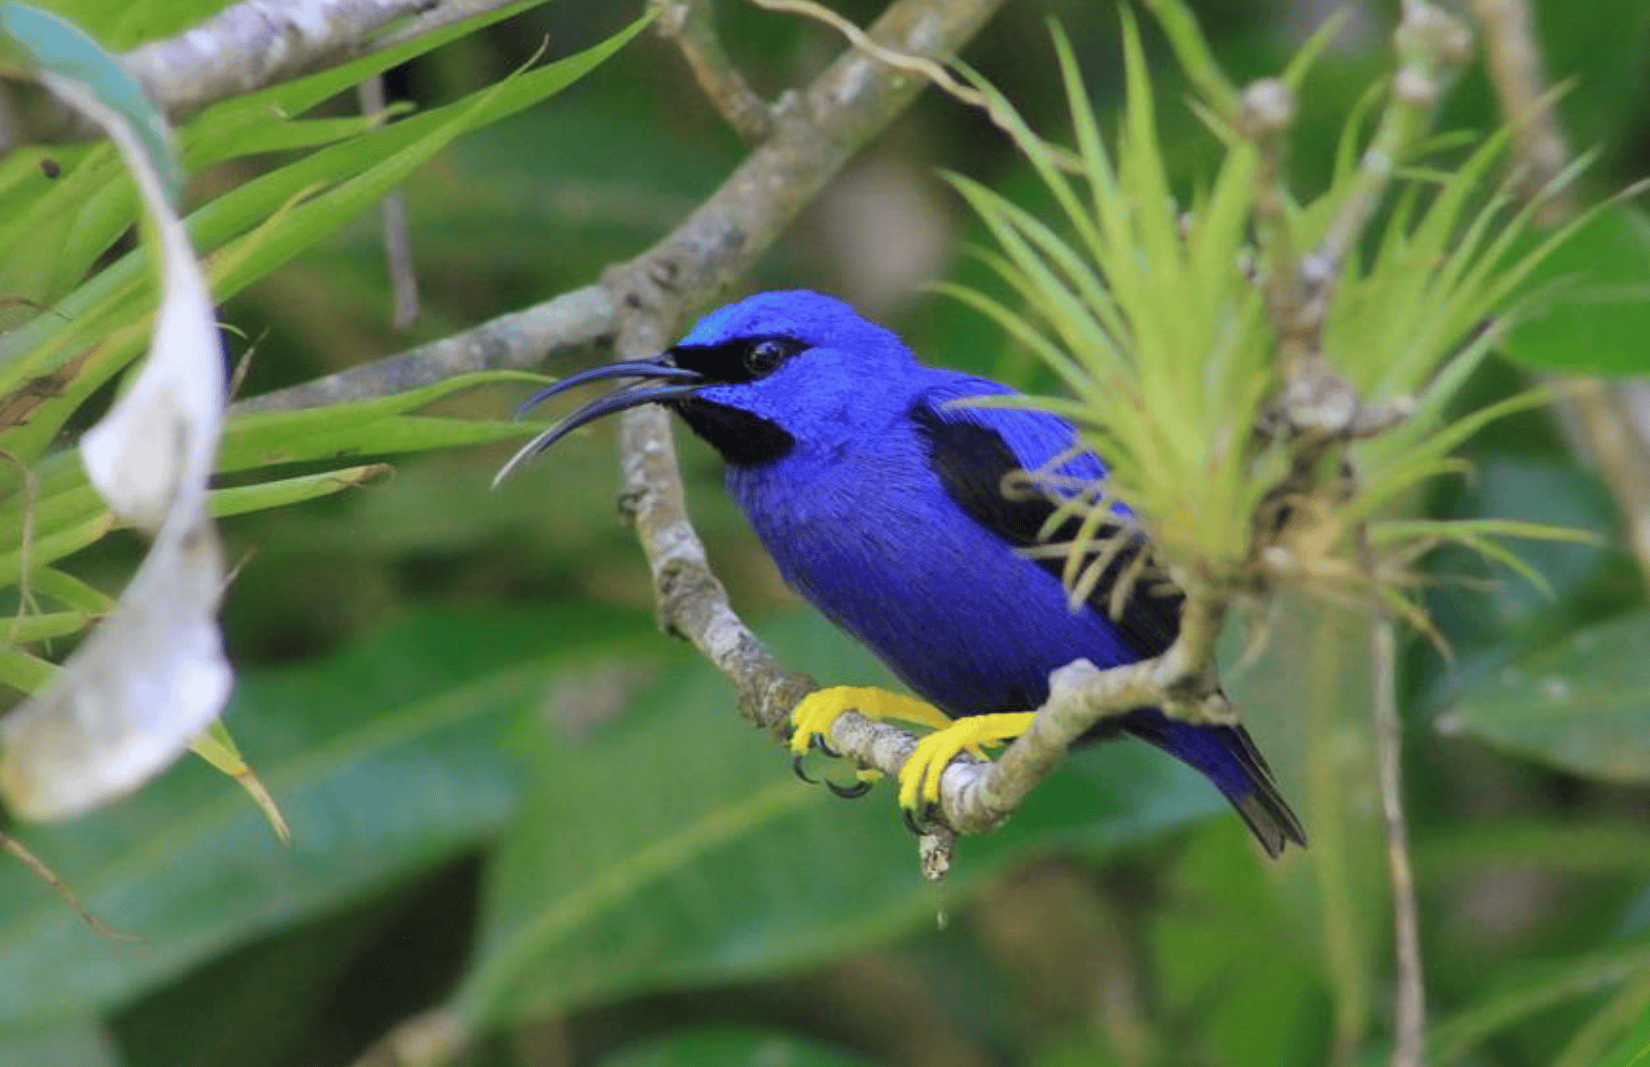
(743, 439)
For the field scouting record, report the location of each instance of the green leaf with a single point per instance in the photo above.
(721, 1047)
(24, 671)
(1592, 310)
(73, 1043)
(1582, 704)
(389, 758)
(104, 311)
(1512, 998)
(45, 626)
(284, 491)
(1633, 1050)
(243, 124)
(675, 848)
(250, 437)
(383, 160)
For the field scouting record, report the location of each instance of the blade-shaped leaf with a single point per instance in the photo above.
(394, 755)
(1582, 704)
(710, 861)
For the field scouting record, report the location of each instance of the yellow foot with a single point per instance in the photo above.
(820, 709)
(919, 780)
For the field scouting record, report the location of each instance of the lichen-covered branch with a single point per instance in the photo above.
(251, 45)
(517, 340)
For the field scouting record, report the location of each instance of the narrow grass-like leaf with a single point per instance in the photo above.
(24, 671)
(286, 491)
(218, 748)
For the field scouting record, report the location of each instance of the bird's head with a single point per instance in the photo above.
(760, 379)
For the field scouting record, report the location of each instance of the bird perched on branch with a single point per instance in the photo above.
(881, 498)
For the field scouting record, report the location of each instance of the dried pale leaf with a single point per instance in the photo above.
(152, 677)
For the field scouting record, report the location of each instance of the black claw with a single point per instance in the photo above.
(849, 792)
(796, 765)
(924, 820)
(819, 742)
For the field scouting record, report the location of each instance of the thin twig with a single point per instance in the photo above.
(28, 859)
(691, 24)
(1539, 146)
(921, 66)
(393, 209)
(1600, 412)
(1409, 1008)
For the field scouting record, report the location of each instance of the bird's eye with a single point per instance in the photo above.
(763, 357)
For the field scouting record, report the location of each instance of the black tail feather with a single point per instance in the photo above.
(1227, 756)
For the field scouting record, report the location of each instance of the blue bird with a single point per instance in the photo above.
(881, 500)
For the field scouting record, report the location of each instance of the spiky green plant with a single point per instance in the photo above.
(1153, 312)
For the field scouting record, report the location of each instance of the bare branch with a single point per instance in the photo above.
(1516, 70)
(690, 24)
(251, 45)
(258, 43)
(1409, 1008)
(518, 340)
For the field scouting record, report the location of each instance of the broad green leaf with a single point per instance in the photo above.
(1633, 1050)
(674, 847)
(391, 757)
(1304, 692)
(285, 1000)
(1511, 998)
(725, 1047)
(73, 1043)
(1590, 312)
(1229, 921)
(1582, 704)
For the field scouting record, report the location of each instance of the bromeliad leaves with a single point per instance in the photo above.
(153, 675)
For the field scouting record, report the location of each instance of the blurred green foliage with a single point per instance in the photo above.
(512, 799)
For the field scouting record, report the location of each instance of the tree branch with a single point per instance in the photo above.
(251, 45)
(517, 340)
(690, 24)
(1515, 65)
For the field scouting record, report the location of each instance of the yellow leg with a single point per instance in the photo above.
(820, 709)
(919, 780)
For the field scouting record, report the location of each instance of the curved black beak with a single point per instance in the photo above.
(648, 390)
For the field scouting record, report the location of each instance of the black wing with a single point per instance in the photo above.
(972, 457)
